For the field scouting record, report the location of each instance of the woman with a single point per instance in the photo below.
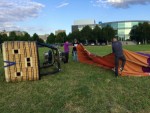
(66, 50)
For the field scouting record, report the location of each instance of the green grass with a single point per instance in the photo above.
(78, 88)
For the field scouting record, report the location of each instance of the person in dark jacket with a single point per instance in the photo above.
(118, 51)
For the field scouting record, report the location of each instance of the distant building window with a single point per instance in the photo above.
(121, 25)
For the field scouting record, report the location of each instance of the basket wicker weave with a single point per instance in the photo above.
(24, 55)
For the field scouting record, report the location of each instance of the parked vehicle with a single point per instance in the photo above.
(92, 44)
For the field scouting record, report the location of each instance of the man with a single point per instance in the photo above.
(117, 50)
(74, 50)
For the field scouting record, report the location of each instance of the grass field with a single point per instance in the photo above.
(78, 88)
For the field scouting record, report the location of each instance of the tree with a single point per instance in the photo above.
(133, 34)
(35, 37)
(141, 33)
(4, 37)
(41, 40)
(12, 36)
(97, 33)
(51, 39)
(1, 40)
(61, 37)
(74, 35)
(26, 37)
(145, 32)
(108, 33)
(86, 33)
(70, 37)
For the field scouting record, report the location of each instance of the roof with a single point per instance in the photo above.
(127, 21)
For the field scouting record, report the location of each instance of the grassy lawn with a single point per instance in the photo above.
(78, 88)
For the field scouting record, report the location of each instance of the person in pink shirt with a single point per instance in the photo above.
(66, 50)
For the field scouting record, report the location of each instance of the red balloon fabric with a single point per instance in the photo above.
(137, 64)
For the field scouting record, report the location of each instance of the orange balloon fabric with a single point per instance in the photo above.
(136, 64)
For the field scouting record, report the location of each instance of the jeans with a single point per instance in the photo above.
(117, 58)
(75, 56)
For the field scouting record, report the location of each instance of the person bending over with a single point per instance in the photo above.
(118, 51)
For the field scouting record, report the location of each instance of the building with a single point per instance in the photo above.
(4, 32)
(122, 28)
(18, 33)
(20, 61)
(80, 24)
(44, 37)
(59, 31)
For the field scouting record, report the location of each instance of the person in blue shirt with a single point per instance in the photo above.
(118, 52)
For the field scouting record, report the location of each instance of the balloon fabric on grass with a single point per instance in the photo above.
(137, 64)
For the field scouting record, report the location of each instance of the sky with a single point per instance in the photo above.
(46, 16)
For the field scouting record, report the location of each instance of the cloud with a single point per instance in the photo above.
(62, 5)
(8, 26)
(12, 11)
(119, 3)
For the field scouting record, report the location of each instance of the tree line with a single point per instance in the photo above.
(22, 37)
(141, 33)
(86, 35)
(138, 33)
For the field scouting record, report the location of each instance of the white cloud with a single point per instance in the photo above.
(12, 11)
(8, 26)
(62, 5)
(119, 3)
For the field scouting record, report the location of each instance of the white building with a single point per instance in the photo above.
(79, 24)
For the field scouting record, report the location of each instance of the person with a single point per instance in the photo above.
(74, 50)
(66, 51)
(118, 51)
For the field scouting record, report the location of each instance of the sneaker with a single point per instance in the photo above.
(113, 69)
(121, 69)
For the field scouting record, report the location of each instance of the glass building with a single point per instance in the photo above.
(122, 28)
